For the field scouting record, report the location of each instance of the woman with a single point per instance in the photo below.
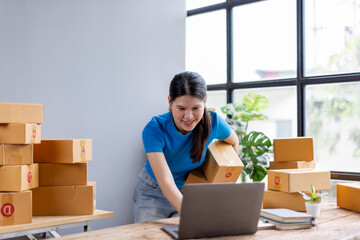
(175, 143)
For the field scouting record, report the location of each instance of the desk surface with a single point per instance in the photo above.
(333, 223)
(47, 221)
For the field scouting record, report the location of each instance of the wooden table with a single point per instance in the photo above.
(333, 223)
(41, 224)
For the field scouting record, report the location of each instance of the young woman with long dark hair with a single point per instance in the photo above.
(175, 143)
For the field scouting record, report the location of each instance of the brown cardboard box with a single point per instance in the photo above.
(19, 177)
(293, 149)
(63, 151)
(348, 196)
(292, 165)
(63, 200)
(15, 208)
(16, 154)
(21, 113)
(20, 133)
(60, 174)
(294, 180)
(221, 164)
(277, 199)
(196, 176)
(93, 183)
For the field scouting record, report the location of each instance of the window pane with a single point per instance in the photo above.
(215, 100)
(332, 36)
(332, 119)
(192, 4)
(281, 112)
(265, 40)
(206, 46)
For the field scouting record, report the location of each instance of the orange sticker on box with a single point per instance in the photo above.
(33, 134)
(7, 209)
(29, 177)
(277, 180)
(229, 174)
(82, 150)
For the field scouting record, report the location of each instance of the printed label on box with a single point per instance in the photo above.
(29, 177)
(7, 210)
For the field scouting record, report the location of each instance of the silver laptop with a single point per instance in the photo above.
(218, 209)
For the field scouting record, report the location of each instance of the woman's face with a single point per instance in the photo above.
(187, 112)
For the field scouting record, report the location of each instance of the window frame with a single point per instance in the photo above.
(300, 81)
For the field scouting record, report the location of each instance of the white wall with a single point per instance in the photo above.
(102, 69)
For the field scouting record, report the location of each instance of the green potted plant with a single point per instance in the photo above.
(254, 146)
(314, 202)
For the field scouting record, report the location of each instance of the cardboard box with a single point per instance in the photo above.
(277, 199)
(196, 176)
(15, 208)
(348, 196)
(20, 133)
(63, 200)
(16, 154)
(59, 174)
(292, 165)
(21, 113)
(19, 177)
(293, 149)
(222, 164)
(63, 151)
(294, 180)
(93, 183)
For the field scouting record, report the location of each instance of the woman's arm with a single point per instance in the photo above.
(165, 179)
(233, 140)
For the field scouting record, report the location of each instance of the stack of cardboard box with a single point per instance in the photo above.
(222, 164)
(293, 170)
(64, 187)
(19, 129)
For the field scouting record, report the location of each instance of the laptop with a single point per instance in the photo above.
(218, 209)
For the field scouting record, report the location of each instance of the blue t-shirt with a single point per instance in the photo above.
(160, 135)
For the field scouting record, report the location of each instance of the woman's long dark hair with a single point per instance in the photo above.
(191, 83)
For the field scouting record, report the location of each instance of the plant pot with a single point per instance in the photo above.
(313, 208)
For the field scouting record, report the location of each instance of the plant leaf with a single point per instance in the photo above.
(255, 144)
(254, 101)
(306, 197)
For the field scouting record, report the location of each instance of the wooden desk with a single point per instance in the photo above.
(333, 223)
(42, 224)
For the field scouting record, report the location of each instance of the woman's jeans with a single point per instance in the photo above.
(149, 202)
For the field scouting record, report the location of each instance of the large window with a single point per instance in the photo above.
(302, 55)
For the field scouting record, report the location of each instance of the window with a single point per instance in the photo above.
(298, 55)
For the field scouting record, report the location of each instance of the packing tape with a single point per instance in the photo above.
(82, 151)
(7, 209)
(3, 155)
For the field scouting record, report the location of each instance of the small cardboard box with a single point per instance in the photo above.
(63, 151)
(60, 174)
(293, 149)
(16, 154)
(292, 165)
(93, 183)
(20, 133)
(221, 164)
(19, 177)
(294, 180)
(15, 208)
(21, 113)
(63, 200)
(277, 199)
(348, 196)
(196, 176)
